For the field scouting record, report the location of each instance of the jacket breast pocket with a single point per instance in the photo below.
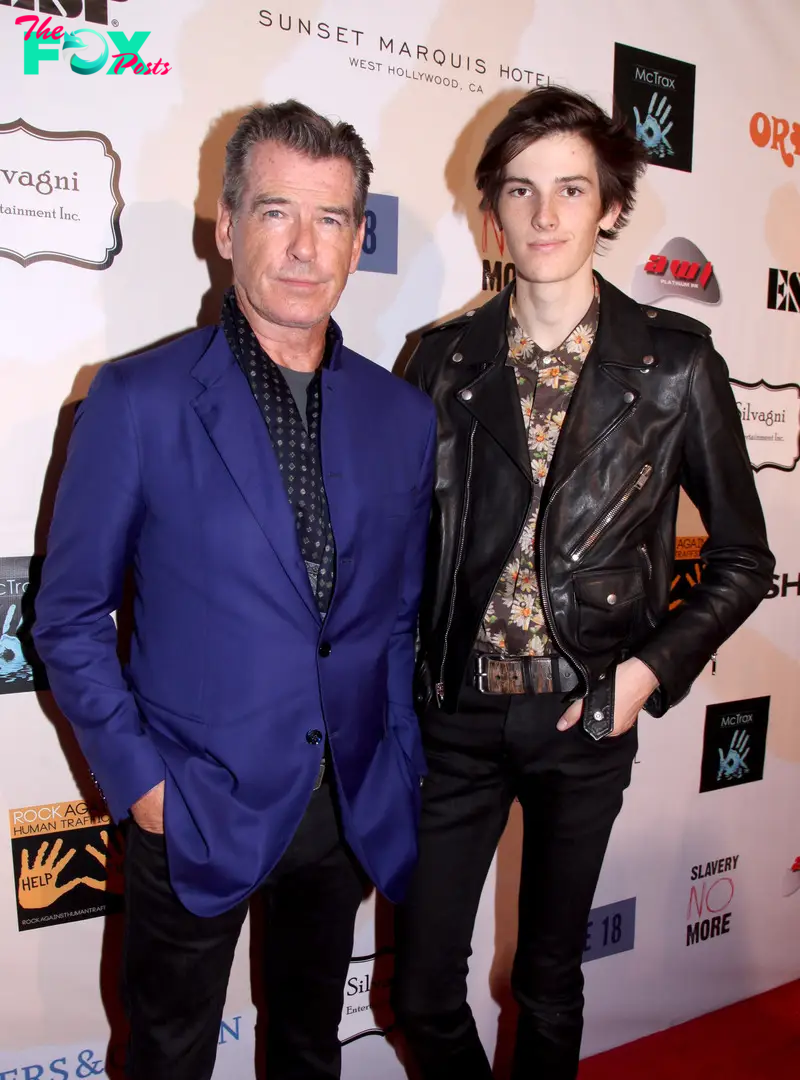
(609, 602)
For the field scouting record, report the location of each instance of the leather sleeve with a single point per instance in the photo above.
(718, 478)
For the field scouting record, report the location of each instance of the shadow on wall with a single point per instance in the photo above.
(460, 180)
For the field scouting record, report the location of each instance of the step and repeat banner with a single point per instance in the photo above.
(113, 120)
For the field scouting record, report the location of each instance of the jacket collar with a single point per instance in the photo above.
(485, 386)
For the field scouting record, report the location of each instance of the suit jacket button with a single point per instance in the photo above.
(325, 649)
(314, 737)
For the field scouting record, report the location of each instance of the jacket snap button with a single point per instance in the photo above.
(457, 357)
(651, 314)
(466, 395)
(611, 598)
(628, 397)
(647, 360)
(314, 737)
(470, 313)
(598, 715)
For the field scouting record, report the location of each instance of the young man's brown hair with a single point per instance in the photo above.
(554, 110)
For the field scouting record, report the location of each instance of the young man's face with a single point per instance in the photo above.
(293, 240)
(549, 208)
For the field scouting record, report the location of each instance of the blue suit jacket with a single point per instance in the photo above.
(171, 471)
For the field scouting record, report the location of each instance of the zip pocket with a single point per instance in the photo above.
(610, 515)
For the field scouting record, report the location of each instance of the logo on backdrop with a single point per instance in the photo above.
(770, 417)
(20, 668)
(688, 568)
(438, 64)
(493, 244)
(708, 913)
(367, 1010)
(379, 250)
(655, 95)
(775, 133)
(68, 860)
(611, 929)
(791, 879)
(783, 290)
(781, 586)
(59, 197)
(734, 744)
(93, 11)
(679, 269)
(85, 50)
(92, 1057)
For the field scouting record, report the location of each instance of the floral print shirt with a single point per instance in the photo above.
(513, 624)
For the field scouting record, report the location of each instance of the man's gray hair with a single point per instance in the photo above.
(298, 127)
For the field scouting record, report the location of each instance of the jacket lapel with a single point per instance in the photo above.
(609, 385)
(234, 425)
(489, 391)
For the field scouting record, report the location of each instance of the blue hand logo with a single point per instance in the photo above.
(13, 665)
(732, 766)
(652, 133)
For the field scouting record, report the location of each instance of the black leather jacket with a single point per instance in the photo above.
(652, 412)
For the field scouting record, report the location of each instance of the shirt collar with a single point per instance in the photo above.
(522, 348)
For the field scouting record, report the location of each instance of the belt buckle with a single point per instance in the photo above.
(482, 671)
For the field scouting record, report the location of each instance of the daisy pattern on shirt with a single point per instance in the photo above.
(514, 623)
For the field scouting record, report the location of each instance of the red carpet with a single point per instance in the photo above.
(757, 1039)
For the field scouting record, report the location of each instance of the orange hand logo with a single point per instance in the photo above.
(38, 884)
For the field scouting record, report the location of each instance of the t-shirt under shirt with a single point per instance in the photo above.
(298, 382)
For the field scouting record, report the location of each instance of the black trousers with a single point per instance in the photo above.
(570, 788)
(177, 964)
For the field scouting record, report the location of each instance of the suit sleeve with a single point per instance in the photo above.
(402, 716)
(98, 513)
(718, 478)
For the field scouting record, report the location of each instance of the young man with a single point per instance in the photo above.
(264, 734)
(569, 417)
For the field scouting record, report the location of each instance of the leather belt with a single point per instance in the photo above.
(523, 674)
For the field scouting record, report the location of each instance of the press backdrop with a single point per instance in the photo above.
(112, 126)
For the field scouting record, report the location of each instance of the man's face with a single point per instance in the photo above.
(549, 208)
(293, 241)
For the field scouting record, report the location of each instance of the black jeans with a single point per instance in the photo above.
(570, 788)
(177, 964)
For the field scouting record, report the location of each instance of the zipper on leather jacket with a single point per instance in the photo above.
(459, 556)
(546, 608)
(648, 563)
(611, 514)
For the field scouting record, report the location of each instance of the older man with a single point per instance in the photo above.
(264, 734)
